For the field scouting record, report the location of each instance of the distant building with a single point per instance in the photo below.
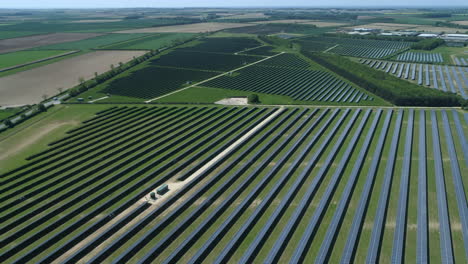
(455, 37)
(455, 40)
(370, 30)
(358, 33)
(427, 35)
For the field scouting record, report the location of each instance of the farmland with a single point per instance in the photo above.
(189, 28)
(94, 43)
(284, 178)
(22, 43)
(31, 85)
(22, 57)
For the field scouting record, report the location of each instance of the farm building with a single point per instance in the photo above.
(455, 40)
(427, 35)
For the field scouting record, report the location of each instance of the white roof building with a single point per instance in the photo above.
(427, 35)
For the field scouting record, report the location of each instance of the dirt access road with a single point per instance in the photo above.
(28, 87)
(15, 44)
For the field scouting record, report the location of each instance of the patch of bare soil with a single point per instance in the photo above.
(15, 44)
(233, 101)
(28, 87)
(463, 22)
(189, 28)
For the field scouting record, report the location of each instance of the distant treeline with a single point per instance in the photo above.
(436, 15)
(428, 44)
(390, 88)
(448, 24)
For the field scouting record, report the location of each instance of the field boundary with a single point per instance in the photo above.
(212, 78)
(38, 61)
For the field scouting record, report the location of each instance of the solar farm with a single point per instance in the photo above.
(375, 49)
(233, 136)
(446, 78)
(283, 187)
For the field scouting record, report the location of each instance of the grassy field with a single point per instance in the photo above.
(330, 147)
(39, 64)
(21, 57)
(6, 113)
(16, 34)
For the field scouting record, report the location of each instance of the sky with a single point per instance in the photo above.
(221, 3)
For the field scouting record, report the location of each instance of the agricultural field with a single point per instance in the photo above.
(22, 43)
(90, 27)
(354, 47)
(240, 184)
(21, 57)
(32, 85)
(94, 43)
(15, 34)
(188, 28)
(152, 42)
(443, 77)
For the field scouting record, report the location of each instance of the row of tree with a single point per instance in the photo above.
(390, 88)
(428, 44)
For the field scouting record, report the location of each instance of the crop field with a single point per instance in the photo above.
(188, 28)
(152, 42)
(420, 57)
(443, 77)
(97, 27)
(16, 34)
(355, 47)
(22, 57)
(289, 75)
(31, 85)
(22, 43)
(244, 184)
(94, 43)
